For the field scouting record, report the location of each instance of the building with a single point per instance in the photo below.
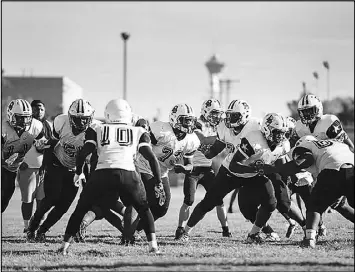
(56, 92)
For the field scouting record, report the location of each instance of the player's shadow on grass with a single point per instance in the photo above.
(21, 252)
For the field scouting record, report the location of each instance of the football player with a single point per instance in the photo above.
(174, 144)
(322, 126)
(59, 164)
(95, 213)
(117, 142)
(18, 134)
(332, 163)
(237, 123)
(202, 172)
(29, 179)
(274, 128)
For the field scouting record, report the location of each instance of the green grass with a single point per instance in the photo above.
(207, 250)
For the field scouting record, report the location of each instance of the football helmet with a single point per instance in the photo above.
(237, 114)
(182, 118)
(80, 115)
(19, 114)
(310, 109)
(291, 124)
(274, 127)
(306, 138)
(212, 111)
(118, 111)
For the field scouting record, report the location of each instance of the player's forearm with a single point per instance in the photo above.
(239, 168)
(215, 149)
(148, 154)
(87, 149)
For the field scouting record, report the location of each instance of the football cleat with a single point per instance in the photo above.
(226, 233)
(81, 234)
(322, 230)
(40, 237)
(308, 243)
(63, 250)
(254, 238)
(30, 236)
(272, 237)
(290, 230)
(179, 232)
(184, 237)
(155, 250)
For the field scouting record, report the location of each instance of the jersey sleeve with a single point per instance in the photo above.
(58, 124)
(193, 146)
(91, 136)
(335, 130)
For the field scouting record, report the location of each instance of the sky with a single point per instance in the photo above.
(270, 47)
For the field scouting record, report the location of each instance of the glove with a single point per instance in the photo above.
(160, 193)
(41, 144)
(78, 179)
(259, 167)
(12, 159)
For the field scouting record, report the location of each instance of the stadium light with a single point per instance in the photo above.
(125, 37)
(326, 66)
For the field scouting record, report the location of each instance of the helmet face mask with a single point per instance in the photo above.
(19, 115)
(234, 119)
(80, 115)
(310, 109)
(182, 119)
(274, 128)
(237, 114)
(211, 110)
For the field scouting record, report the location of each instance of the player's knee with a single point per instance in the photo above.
(270, 206)
(207, 205)
(283, 206)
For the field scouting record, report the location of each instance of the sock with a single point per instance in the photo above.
(25, 223)
(188, 229)
(291, 221)
(153, 244)
(310, 234)
(254, 229)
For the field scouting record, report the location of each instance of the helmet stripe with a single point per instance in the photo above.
(80, 108)
(231, 105)
(28, 105)
(188, 109)
(307, 99)
(23, 104)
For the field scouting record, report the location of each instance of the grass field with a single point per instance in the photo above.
(206, 250)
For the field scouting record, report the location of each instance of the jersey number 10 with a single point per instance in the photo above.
(124, 136)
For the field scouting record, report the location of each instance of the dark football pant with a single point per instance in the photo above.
(60, 192)
(331, 185)
(199, 175)
(104, 188)
(224, 183)
(7, 187)
(149, 183)
(157, 210)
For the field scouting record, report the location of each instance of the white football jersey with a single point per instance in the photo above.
(69, 144)
(117, 144)
(327, 127)
(227, 136)
(328, 154)
(199, 158)
(167, 148)
(254, 147)
(14, 148)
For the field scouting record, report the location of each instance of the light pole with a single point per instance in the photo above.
(124, 36)
(315, 75)
(228, 83)
(326, 66)
(214, 67)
